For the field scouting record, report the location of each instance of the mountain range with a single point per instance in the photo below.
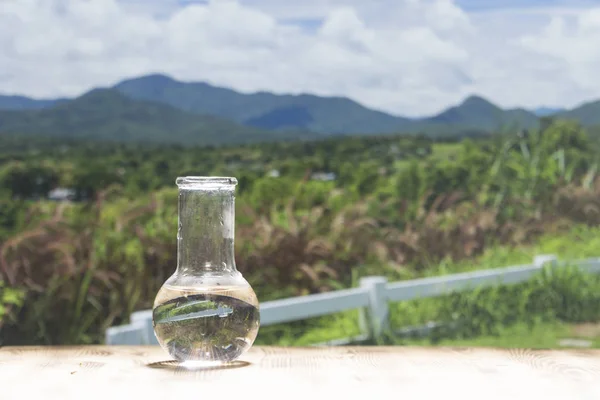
(106, 114)
(158, 108)
(547, 111)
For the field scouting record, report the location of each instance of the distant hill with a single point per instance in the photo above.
(105, 114)
(477, 112)
(265, 110)
(25, 103)
(547, 111)
(587, 114)
(331, 115)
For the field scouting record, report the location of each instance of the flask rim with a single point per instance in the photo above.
(206, 182)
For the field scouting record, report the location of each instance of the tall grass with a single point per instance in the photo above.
(553, 298)
(88, 266)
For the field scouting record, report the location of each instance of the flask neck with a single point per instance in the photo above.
(205, 238)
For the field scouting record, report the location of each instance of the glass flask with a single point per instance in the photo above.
(206, 312)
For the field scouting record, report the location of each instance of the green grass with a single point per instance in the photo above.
(445, 151)
(539, 336)
(530, 315)
(579, 243)
(311, 331)
(439, 152)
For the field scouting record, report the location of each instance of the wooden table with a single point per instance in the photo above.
(340, 373)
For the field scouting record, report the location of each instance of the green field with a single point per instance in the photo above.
(538, 336)
(399, 206)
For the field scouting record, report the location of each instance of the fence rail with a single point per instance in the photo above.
(371, 297)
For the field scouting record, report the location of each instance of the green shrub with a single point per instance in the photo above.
(11, 300)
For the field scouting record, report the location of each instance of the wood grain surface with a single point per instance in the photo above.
(101, 372)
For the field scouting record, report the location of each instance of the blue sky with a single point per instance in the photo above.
(407, 57)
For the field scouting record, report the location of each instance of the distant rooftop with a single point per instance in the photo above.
(324, 176)
(61, 194)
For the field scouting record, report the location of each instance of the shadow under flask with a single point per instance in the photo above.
(206, 311)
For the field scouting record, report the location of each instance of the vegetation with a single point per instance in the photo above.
(10, 301)
(400, 206)
(521, 335)
(554, 305)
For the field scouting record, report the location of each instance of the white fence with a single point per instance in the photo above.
(371, 297)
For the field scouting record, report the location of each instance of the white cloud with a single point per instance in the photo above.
(409, 57)
(573, 44)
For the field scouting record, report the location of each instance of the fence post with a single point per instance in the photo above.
(541, 260)
(374, 319)
(144, 320)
